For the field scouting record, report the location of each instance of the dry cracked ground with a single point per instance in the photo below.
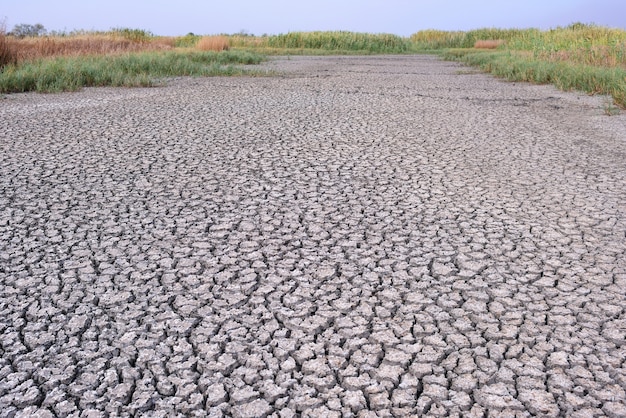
(356, 237)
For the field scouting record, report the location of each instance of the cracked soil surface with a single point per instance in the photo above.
(361, 236)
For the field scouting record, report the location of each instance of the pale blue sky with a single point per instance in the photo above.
(402, 17)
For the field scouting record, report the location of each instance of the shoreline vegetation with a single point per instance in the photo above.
(582, 57)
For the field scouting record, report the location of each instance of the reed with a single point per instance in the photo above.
(335, 41)
(489, 44)
(213, 43)
(29, 49)
(7, 52)
(437, 39)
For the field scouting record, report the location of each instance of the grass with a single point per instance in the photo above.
(213, 43)
(139, 69)
(437, 39)
(517, 66)
(316, 43)
(580, 57)
(334, 41)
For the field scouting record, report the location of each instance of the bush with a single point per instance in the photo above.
(24, 30)
(187, 41)
(133, 35)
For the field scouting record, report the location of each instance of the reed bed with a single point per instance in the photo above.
(348, 41)
(437, 39)
(29, 49)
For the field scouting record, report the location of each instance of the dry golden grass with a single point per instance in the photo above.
(489, 44)
(165, 41)
(244, 41)
(213, 43)
(41, 47)
(7, 54)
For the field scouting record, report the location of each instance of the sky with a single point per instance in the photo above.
(401, 17)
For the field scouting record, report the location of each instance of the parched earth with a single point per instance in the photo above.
(355, 237)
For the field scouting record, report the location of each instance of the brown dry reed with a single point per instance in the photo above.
(15, 50)
(7, 54)
(488, 44)
(213, 43)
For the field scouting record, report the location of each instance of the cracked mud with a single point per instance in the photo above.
(362, 236)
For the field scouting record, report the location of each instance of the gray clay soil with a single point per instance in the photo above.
(357, 236)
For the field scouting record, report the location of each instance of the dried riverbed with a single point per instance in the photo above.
(361, 236)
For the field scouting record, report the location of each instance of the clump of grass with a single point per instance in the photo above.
(133, 35)
(140, 69)
(489, 44)
(188, 41)
(609, 108)
(432, 39)
(213, 43)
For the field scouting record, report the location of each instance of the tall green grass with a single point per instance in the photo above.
(330, 41)
(141, 69)
(437, 39)
(516, 66)
(188, 41)
(574, 37)
(134, 35)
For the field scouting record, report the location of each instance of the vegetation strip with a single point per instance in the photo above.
(582, 57)
(140, 69)
(515, 66)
